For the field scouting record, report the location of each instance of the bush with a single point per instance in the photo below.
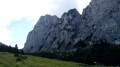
(20, 58)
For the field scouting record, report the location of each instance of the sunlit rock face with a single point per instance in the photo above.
(99, 20)
(52, 32)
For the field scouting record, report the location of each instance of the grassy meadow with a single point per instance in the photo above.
(9, 60)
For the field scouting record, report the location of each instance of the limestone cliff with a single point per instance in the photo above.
(99, 20)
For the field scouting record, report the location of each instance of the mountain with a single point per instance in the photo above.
(53, 32)
(99, 20)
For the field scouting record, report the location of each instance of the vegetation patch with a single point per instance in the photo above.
(9, 60)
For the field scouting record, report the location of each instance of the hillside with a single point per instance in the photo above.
(9, 60)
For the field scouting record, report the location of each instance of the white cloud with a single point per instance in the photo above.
(5, 35)
(32, 9)
(11, 10)
(21, 45)
(82, 4)
(61, 6)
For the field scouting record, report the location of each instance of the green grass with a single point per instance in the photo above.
(8, 60)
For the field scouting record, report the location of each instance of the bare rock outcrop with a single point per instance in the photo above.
(99, 20)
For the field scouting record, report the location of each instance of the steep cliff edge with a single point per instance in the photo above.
(100, 20)
(52, 32)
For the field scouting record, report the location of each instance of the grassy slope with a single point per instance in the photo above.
(8, 60)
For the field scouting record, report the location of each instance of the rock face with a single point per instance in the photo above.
(100, 20)
(53, 32)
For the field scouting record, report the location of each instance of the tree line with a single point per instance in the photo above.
(6, 48)
(100, 52)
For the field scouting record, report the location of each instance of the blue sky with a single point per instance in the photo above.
(20, 29)
(18, 17)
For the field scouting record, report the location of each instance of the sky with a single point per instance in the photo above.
(18, 17)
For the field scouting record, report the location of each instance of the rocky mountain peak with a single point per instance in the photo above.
(51, 32)
(71, 13)
(46, 20)
(99, 20)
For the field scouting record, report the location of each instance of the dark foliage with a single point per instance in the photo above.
(21, 51)
(5, 48)
(108, 54)
(16, 55)
(20, 58)
(101, 53)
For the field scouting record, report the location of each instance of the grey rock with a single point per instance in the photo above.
(52, 32)
(99, 20)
